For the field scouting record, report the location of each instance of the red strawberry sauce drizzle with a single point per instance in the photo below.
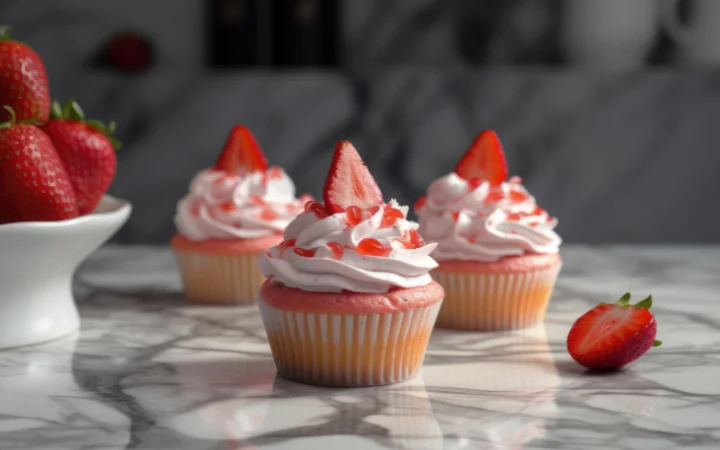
(368, 246)
(372, 247)
(316, 208)
(304, 252)
(336, 249)
(354, 215)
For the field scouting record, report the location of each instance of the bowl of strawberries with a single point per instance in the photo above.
(55, 168)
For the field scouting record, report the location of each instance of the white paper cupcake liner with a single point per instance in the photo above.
(348, 350)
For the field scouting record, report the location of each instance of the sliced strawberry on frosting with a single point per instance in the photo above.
(484, 160)
(241, 153)
(349, 182)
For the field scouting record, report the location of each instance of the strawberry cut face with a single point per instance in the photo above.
(610, 336)
(241, 153)
(349, 182)
(484, 160)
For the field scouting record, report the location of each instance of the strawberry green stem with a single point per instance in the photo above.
(13, 117)
(5, 32)
(72, 111)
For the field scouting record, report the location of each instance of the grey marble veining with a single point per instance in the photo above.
(615, 158)
(148, 371)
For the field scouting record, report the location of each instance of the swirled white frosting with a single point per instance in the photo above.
(484, 223)
(229, 206)
(326, 272)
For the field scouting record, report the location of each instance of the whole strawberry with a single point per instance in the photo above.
(34, 185)
(87, 150)
(23, 81)
(610, 336)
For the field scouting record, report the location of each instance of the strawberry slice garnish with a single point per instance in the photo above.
(349, 182)
(610, 336)
(484, 160)
(241, 153)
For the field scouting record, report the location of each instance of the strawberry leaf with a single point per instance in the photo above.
(12, 119)
(657, 343)
(111, 128)
(98, 126)
(624, 300)
(56, 109)
(5, 32)
(645, 304)
(76, 113)
(115, 143)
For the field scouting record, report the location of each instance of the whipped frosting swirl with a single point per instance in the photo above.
(221, 205)
(484, 222)
(328, 271)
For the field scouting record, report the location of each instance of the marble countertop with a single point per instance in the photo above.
(148, 371)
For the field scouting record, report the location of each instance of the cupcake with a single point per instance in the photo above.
(349, 300)
(497, 250)
(234, 212)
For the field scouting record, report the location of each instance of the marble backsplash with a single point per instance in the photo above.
(617, 158)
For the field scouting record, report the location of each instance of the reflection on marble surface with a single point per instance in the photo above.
(148, 371)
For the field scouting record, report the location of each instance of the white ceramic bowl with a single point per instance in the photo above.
(37, 263)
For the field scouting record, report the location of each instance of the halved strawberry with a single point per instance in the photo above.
(610, 336)
(349, 182)
(241, 153)
(484, 159)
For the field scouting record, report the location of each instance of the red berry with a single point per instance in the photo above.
(256, 200)
(316, 208)
(484, 159)
(23, 81)
(34, 185)
(87, 149)
(372, 247)
(455, 216)
(304, 252)
(420, 203)
(475, 182)
(610, 336)
(241, 153)
(349, 182)
(336, 249)
(129, 52)
(354, 215)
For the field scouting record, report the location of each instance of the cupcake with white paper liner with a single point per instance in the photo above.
(349, 300)
(234, 212)
(497, 251)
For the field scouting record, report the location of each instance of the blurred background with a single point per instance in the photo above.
(608, 109)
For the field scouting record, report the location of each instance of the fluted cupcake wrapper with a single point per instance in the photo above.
(348, 350)
(219, 278)
(495, 301)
